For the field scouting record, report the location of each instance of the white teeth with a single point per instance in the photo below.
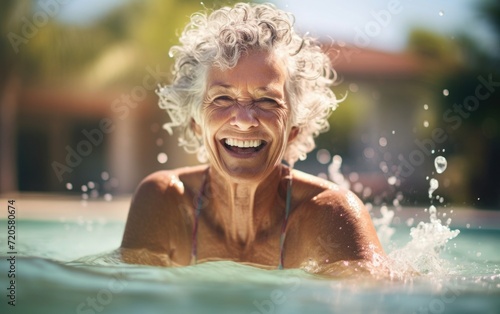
(243, 144)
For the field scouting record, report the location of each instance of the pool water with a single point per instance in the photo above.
(462, 276)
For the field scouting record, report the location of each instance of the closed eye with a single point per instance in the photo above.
(223, 101)
(267, 102)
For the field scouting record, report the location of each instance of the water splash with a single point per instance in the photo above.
(428, 239)
(422, 253)
(440, 163)
(433, 186)
(383, 225)
(334, 172)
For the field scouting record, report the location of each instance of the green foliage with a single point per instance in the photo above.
(62, 52)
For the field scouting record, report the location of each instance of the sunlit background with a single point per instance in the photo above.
(79, 114)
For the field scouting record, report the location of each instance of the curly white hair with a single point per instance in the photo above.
(219, 39)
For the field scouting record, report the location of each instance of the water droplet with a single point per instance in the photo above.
(108, 197)
(440, 163)
(426, 107)
(369, 152)
(162, 158)
(382, 142)
(446, 92)
(69, 186)
(358, 187)
(91, 185)
(478, 254)
(467, 226)
(426, 124)
(159, 142)
(393, 132)
(409, 222)
(383, 166)
(85, 196)
(433, 185)
(432, 210)
(392, 180)
(353, 177)
(432, 213)
(323, 156)
(353, 87)
(323, 175)
(441, 13)
(84, 188)
(104, 176)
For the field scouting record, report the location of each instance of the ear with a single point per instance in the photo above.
(195, 127)
(293, 133)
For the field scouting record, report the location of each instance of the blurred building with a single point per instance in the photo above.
(59, 136)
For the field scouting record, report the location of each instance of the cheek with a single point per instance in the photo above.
(276, 120)
(214, 118)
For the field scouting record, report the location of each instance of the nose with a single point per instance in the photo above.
(243, 117)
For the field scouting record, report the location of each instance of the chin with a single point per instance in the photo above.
(247, 174)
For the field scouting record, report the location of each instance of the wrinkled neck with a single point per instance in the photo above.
(242, 209)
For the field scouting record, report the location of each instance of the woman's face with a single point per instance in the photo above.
(245, 118)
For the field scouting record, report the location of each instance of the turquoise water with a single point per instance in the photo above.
(464, 279)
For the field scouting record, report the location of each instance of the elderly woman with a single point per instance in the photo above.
(248, 93)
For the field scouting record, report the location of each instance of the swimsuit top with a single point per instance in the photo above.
(199, 205)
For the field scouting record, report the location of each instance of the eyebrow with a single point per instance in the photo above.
(220, 86)
(270, 91)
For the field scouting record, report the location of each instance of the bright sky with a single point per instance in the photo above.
(345, 20)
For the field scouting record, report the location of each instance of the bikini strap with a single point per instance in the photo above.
(285, 220)
(199, 205)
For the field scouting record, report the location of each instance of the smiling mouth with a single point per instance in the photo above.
(243, 147)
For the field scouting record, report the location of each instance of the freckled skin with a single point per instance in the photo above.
(244, 198)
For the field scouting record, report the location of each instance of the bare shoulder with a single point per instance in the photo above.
(160, 214)
(166, 186)
(315, 193)
(173, 180)
(329, 223)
